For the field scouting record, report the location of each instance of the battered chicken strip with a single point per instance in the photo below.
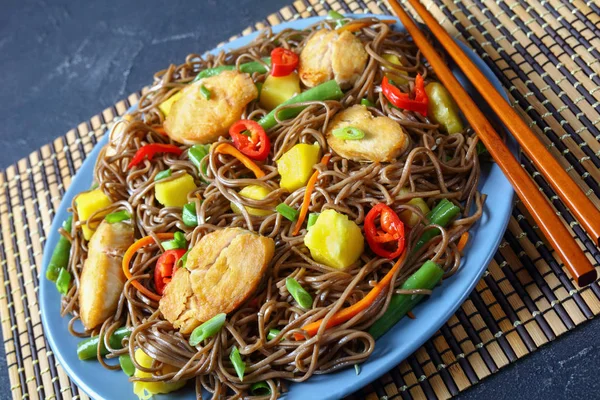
(195, 119)
(329, 55)
(102, 276)
(222, 271)
(384, 138)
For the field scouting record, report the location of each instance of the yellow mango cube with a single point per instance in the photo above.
(296, 165)
(334, 240)
(443, 109)
(409, 217)
(253, 192)
(146, 390)
(395, 76)
(278, 89)
(165, 106)
(89, 203)
(173, 192)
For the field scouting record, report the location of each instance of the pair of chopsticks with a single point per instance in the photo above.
(553, 228)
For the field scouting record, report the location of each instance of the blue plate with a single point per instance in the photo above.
(391, 349)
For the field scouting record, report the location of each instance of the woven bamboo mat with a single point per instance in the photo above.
(547, 55)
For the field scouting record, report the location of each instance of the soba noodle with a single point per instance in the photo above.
(435, 166)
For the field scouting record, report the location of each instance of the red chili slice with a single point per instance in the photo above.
(283, 61)
(387, 240)
(150, 150)
(402, 100)
(163, 272)
(256, 144)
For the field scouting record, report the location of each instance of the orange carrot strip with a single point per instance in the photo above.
(310, 186)
(226, 148)
(145, 241)
(462, 242)
(356, 26)
(349, 312)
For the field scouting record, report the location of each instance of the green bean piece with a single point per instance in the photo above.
(86, 349)
(60, 255)
(348, 133)
(287, 211)
(367, 102)
(444, 212)
(118, 216)
(426, 277)
(302, 297)
(208, 329)
(329, 90)
(63, 282)
(249, 67)
(126, 364)
(163, 174)
(312, 219)
(260, 389)
(189, 215)
(196, 154)
(178, 242)
(273, 334)
(238, 364)
(205, 92)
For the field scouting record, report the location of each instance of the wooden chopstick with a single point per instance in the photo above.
(584, 210)
(555, 231)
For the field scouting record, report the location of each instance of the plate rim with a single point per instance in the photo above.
(333, 390)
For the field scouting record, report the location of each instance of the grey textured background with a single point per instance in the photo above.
(64, 61)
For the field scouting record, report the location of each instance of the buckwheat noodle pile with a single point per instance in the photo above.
(435, 166)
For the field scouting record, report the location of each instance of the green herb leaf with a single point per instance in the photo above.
(163, 174)
(208, 329)
(178, 242)
(126, 364)
(287, 211)
(189, 214)
(63, 282)
(205, 92)
(312, 219)
(349, 133)
(480, 148)
(238, 364)
(260, 389)
(302, 297)
(118, 216)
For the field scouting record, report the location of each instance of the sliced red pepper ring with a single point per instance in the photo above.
(256, 145)
(402, 100)
(150, 150)
(389, 235)
(283, 62)
(163, 272)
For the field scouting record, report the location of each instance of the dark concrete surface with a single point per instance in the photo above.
(63, 61)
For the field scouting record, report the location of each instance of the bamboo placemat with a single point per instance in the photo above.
(545, 52)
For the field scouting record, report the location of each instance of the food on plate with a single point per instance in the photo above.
(266, 214)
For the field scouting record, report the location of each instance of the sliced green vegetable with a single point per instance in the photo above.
(312, 219)
(367, 102)
(238, 364)
(260, 389)
(205, 92)
(259, 86)
(273, 334)
(208, 329)
(63, 282)
(118, 216)
(302, 297)
(178, 242)
(163, 174)
(183, 259)
(426, 277)
(444, 212)
(126, 364)
(60, 255)
(349, 133)
(480, 148)
(250, 68)
(329, 90)
(196, 154)
(357, 369)
(287, 211)
(86, 349)
(189, 214)
(336, 16)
